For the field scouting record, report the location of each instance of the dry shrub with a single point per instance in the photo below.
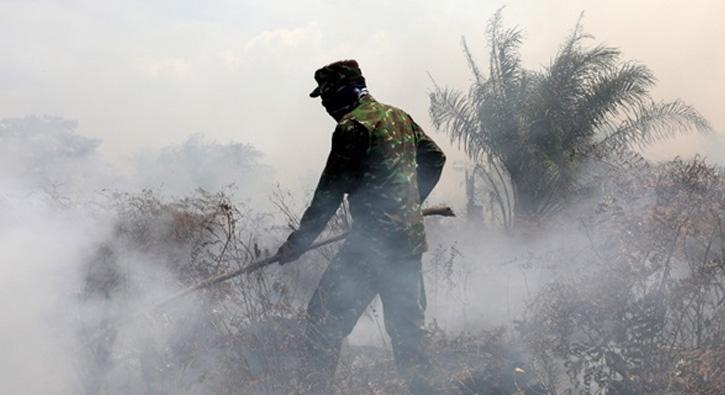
(700, 371)
(243, 336)
(233, 337)
(650, 284)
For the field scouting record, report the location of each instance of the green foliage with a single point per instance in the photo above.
(540, 126)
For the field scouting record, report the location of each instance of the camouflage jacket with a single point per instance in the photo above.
(387, 166)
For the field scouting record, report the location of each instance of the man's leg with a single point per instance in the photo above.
(403, 297)
(345, 290)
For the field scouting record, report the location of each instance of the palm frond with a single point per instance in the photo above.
(623, 91)
(471, 62)
(452, 111)
(575, 69)
(655, 122)
(504, 57)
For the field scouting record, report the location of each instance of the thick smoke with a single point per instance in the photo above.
(605, 295)
(42, 247)
(178, 170)
(45, 153)
(87, 253)
(77, 287)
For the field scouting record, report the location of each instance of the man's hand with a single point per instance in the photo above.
(288, 253)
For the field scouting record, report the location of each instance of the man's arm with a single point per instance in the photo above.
(349, 147)
(430, 162)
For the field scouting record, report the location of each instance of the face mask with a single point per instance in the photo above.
(343, 100)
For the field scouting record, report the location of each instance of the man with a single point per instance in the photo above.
(387, 166)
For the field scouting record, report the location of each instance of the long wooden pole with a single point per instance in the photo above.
(256, 265)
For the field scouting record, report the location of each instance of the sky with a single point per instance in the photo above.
(146, 74)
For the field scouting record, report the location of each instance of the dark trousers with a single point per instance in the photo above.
(354, 277)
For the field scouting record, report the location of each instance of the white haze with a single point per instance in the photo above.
(47, 154)
(56, 209)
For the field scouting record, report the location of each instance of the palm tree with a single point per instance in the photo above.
(530, 131)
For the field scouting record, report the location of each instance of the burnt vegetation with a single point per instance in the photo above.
(638, 308)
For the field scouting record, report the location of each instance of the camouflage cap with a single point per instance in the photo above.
(335, 74)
